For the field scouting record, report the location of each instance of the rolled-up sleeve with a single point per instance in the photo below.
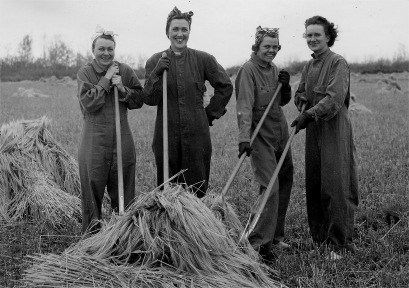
(91, 97)
(223, 88)
(133, 96)
(245, 102)
(335, 92)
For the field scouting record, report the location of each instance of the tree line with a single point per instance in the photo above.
(60, 60)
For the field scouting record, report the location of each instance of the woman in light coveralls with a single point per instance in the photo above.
(256, 83)
(97, 158)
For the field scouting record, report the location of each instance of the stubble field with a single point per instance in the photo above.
(382, 220)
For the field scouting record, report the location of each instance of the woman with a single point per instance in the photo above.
(97, 156)
(188, 121)
(256, 83)
(330, 167)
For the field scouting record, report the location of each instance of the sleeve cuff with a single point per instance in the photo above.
(104, 83)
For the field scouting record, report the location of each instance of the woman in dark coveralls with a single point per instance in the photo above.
(190, 146)
(331, 178)
(97, 156)
(256, 82)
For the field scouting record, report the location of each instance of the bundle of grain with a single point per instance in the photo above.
(87, 272)
(171, 231)
(31, 92)
(393, 85)
(358, 108)
(38, 178)
(225, 212)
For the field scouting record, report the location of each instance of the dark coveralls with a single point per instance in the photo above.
(330, 166)
(97, 158)
(190, 145)
(256, 83)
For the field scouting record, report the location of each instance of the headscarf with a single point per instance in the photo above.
(176, 14)
(99, 31)
(263, 32)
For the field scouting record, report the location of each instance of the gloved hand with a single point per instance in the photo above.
(162, 65)
(210, 120)
(284, 78)
(302, 121)
(299, 100)
(244, 147)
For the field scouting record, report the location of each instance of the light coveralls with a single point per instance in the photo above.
(189, 140)
(330, 167)
(255, 85)
(97, 157)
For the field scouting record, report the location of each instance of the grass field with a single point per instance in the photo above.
(382, 220)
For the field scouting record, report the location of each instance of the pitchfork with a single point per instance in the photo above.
(251, 225)
(260, 123)
(119, 153)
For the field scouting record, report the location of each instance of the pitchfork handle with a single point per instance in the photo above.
(249, 228)
(165, 128)
(260, 123)
(119, 153)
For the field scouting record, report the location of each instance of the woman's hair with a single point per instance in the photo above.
(177, 14)
(109, 37)
(329, 28)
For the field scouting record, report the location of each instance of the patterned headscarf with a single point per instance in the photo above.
(99, 31)
(263, 32)
(176, 14)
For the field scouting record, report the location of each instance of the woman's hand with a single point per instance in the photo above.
(117, 80)
(162, 65)
(112, 70)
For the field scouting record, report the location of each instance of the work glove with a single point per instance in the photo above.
(210, 120)
(302, 121)
(162, 65)
(299, 101)
(284, 78)
(244, 147)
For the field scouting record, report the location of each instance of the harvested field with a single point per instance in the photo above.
(382, 221)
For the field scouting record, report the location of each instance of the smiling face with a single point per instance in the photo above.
(178, 34)
(104, 52)
(317, 41)
(268, 49)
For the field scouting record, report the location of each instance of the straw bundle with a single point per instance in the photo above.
(37, 177)
(31, 92)
(171, 232)
(226, 213)
(84, 271)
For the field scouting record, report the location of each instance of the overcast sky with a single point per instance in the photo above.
(368, 29)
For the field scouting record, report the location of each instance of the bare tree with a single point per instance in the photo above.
(60, 53)
(24, 50)
(402, 53)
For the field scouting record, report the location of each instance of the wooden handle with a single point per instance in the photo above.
(250, 227)
(165, 128)
(119, 153)
(260, 123)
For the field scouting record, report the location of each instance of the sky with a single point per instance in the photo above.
(368, 29)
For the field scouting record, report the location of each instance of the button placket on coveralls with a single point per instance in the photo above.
(267, 149)
(97, 157)
(331, 177)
